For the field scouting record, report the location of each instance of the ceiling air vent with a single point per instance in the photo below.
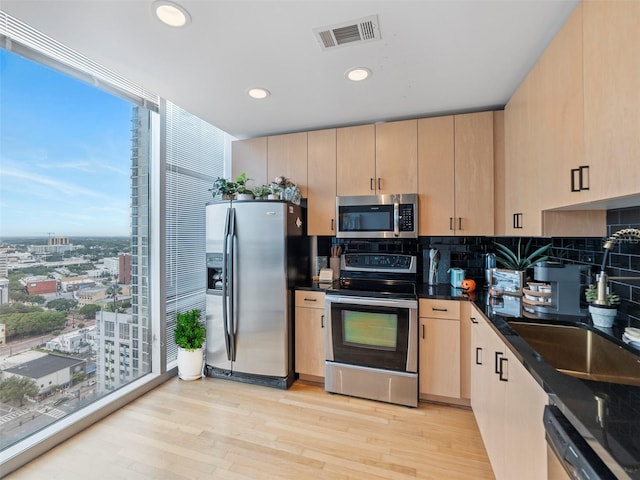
(356, 31)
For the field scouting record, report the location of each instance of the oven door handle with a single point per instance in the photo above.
(377, 302)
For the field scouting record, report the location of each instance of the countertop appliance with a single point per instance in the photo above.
(567, 449)
(371, 340)
(377, 216)
(256, 251)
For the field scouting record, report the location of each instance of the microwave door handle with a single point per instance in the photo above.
(396, 219)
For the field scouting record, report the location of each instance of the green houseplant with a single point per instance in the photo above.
(520, 259)
(224, 188)
(241, 187)
(261, 191)
(189, 335)
(602, 315)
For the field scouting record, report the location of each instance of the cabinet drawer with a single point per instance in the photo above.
(431, 308)
(309, 299)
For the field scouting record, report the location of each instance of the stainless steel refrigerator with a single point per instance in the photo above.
(257, 251)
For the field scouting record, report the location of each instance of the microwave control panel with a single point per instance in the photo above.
(406, 215)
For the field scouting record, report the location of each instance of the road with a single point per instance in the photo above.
(13, 348)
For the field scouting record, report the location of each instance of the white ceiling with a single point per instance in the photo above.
(435, 57)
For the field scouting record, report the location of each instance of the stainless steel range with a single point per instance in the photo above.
(372, 334)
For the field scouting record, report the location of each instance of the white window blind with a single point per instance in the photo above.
(194, 157)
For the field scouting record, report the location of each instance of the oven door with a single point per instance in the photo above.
(372, 332)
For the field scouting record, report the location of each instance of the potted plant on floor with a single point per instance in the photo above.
(602, 315)
(189, 335)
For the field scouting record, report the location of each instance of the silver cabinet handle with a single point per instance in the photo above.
(321, 321)
(372, 186)
(379, 183)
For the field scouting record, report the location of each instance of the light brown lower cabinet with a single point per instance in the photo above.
(443, 348)
(508, 405)
(309, 335)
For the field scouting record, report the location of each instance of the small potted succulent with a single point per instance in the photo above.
(602, 315)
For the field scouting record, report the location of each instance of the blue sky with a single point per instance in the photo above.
(64, 154)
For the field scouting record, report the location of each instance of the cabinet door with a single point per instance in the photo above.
(436, 175)
(287, 155)
(522, 173)
(611, 96)
(440, 357)
(474, 174)
(526, 447)
(250, 157)
(559, 103)
(321, 188)
(356, 160)
(309, 333)
(397, 157)
(465, 347)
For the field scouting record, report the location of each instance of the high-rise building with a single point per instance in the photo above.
(4, 291)
(139, 266)
(124, 268)
(4, 265)
(118, 349)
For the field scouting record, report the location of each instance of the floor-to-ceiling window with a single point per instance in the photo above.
(102, 192)
(74, 231)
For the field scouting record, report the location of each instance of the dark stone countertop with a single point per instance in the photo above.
(616, 438)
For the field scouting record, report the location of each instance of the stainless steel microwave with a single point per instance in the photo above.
(377, 216)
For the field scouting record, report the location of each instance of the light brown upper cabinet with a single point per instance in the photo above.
(356, 160)
(455, 170)
(321, 188)
(544, 135)
(250, 157)
(377, 159)
(287, 155)
(397, 157)
(612, 97)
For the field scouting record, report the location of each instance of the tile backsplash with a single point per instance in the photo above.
(623, 259)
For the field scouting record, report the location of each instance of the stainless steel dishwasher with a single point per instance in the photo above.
(568, 455)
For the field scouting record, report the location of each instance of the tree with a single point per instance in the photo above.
(89, 311)
(78, 377)
(113, 291)
(62, 304)
(14, 388)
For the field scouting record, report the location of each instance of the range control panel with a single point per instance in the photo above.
(378, 262)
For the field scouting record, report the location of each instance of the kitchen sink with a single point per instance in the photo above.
(581, 352)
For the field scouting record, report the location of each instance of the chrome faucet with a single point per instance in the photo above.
(624, 234)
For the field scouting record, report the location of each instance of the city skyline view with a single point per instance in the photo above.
(65, 155)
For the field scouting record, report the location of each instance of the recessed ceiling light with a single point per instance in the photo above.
(358, 74)
(171, 13)
(258, 93)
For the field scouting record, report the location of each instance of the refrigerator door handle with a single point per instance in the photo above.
(231, 326)
(225, 283)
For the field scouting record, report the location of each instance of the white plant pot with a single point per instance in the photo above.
(273, 196)
(602, 316)
(190, 363)
(244, 196)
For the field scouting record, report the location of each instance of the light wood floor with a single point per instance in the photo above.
(221, 429)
